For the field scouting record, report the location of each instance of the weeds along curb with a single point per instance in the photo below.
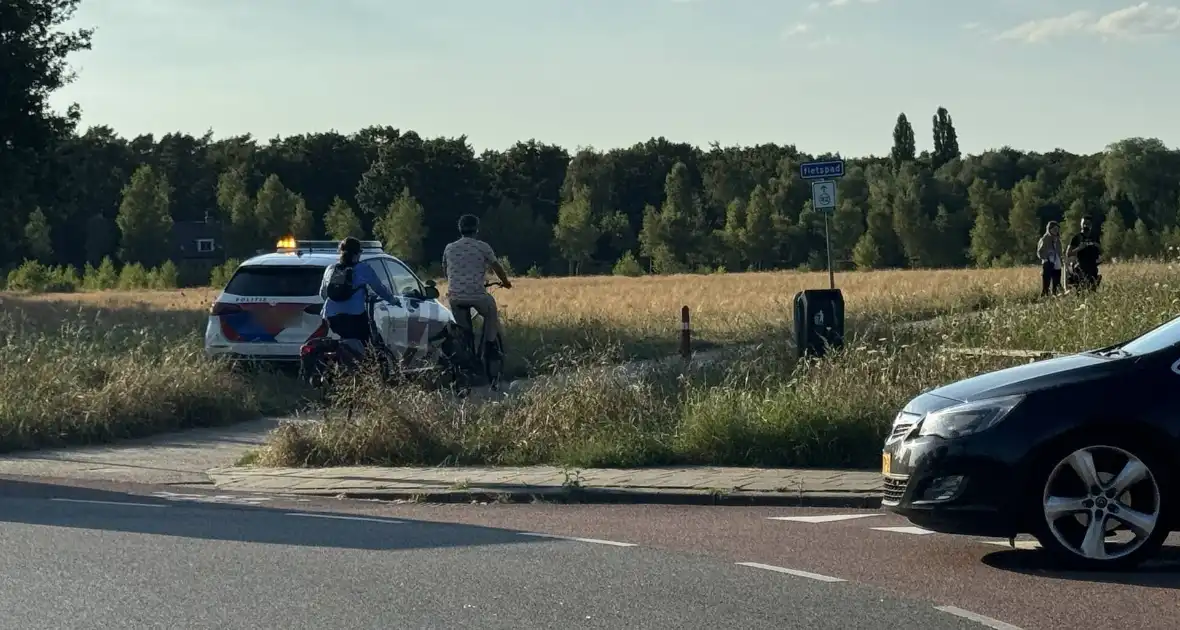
(849, 500)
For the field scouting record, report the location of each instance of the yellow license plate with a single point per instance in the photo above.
(886, 461)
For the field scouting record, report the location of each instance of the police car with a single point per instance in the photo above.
(271, 305)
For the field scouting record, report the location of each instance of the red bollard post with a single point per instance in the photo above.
(685, 334)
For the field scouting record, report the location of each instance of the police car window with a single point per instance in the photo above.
(375, 265)
(403, 279)
(276, 281)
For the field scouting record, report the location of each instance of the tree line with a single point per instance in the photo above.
(658, 206)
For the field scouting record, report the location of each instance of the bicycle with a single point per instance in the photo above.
(325, 359)
(477, 357)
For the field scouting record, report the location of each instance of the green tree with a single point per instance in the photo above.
(38, 238)
(951, 230)
(988, 238)
(879, 217)
(1073, 219)
(733, 235)
(517, 233)
(402, 228)
(274, 208)
(905, 148)
(655, 242)
(101, 238)
(33, 53)
(682, 217)
(106, 277)
(1140, 242)
(867, 253)
(340, 222)
(576, 233)
(1114, 234)
(848, 225)
(627, 265)
(1143, 171)
(302, 220)
(910, 221)
(759, 238)
(946, 140)
(1024, 224)
(145, 219)
(236, 208)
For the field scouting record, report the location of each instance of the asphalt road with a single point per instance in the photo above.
(107, 556)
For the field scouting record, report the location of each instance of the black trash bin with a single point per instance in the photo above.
(819, 321)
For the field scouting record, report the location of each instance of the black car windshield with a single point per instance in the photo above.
(1159, 338)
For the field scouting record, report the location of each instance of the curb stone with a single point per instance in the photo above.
(637, 496)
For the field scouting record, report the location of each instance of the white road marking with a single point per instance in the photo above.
(917, 531)
(209, 498)
(340, 517)
(585, 540)
(825, 518)
(995, 624)
(794, 572)
(127, 503)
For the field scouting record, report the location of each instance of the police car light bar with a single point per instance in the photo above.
(289, 244)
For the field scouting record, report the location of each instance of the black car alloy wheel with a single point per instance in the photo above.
(1103, 504)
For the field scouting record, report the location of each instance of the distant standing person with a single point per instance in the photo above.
(1049, 251)
(1086, 253)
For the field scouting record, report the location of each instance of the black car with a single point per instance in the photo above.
(1081, 451)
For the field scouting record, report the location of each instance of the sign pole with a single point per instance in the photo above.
(828, 238)
(823, 200)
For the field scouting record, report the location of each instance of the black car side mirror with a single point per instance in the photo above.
(431, 292)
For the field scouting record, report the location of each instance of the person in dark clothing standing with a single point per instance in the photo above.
(1086, 253)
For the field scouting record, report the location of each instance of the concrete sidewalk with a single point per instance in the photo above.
(698, 485)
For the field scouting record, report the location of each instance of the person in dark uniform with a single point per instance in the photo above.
(1085, 252)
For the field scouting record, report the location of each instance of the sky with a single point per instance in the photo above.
(825, 75)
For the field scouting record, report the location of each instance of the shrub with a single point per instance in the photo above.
(221, 274)
(627, 266)
(133, 276)
(102, 279)
(166, 276)
(34, 277)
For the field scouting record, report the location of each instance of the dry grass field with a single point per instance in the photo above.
(640, 317)
(87, 367)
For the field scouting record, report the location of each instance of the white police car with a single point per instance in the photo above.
(271, 306)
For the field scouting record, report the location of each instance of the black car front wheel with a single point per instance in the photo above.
(1103, 504)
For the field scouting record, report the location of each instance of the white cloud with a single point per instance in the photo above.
(1048, 28)
(1141, 20)
(1137, 21)
(796, 29)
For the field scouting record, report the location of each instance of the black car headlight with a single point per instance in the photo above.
(967, 418)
